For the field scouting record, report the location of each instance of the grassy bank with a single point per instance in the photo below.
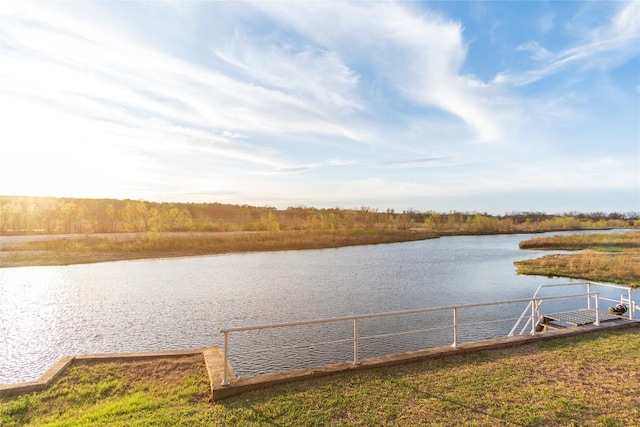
(90, 249)
(589, 380)
(611, 258)
(596, 241)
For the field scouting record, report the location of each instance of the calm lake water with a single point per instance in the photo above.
(182, 303)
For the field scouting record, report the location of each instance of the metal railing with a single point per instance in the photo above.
(627, 300)
(532, 310)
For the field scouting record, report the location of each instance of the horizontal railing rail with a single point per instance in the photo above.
(454, 326)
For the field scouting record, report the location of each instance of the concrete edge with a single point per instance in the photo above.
(61, 366)
(125, 357)
(243, 385)
(214, 362)
(41, 383)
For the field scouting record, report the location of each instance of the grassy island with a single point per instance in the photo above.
(603, 257)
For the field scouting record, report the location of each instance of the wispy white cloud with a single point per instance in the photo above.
(472, 180)
(413, 163)
(103, 76)
(304, 168)
(319, 77)
(288, 170)
(603, 47)
(423, 162)
(429, 48)
(537, 51)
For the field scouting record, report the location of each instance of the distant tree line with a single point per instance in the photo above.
(29, 215)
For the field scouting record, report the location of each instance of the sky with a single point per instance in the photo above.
(469, 106)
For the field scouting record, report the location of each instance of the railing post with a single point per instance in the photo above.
(597, 322)
(356, 360)
(455, 327)
(534, 305)
(632, 305)
(588, 295)
(225, 375)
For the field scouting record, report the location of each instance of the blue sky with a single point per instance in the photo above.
(470, 106)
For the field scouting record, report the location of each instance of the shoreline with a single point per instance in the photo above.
(54, 250)
(69, 249)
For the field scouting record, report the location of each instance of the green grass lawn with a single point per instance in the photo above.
(588, 380)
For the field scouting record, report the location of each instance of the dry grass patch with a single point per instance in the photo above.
(611, 257)
(599, 241)
(622, 268)
(98, 249)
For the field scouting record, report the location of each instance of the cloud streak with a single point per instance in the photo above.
(429, 47)
(420, 163)
(605, 47)
(101, 76)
